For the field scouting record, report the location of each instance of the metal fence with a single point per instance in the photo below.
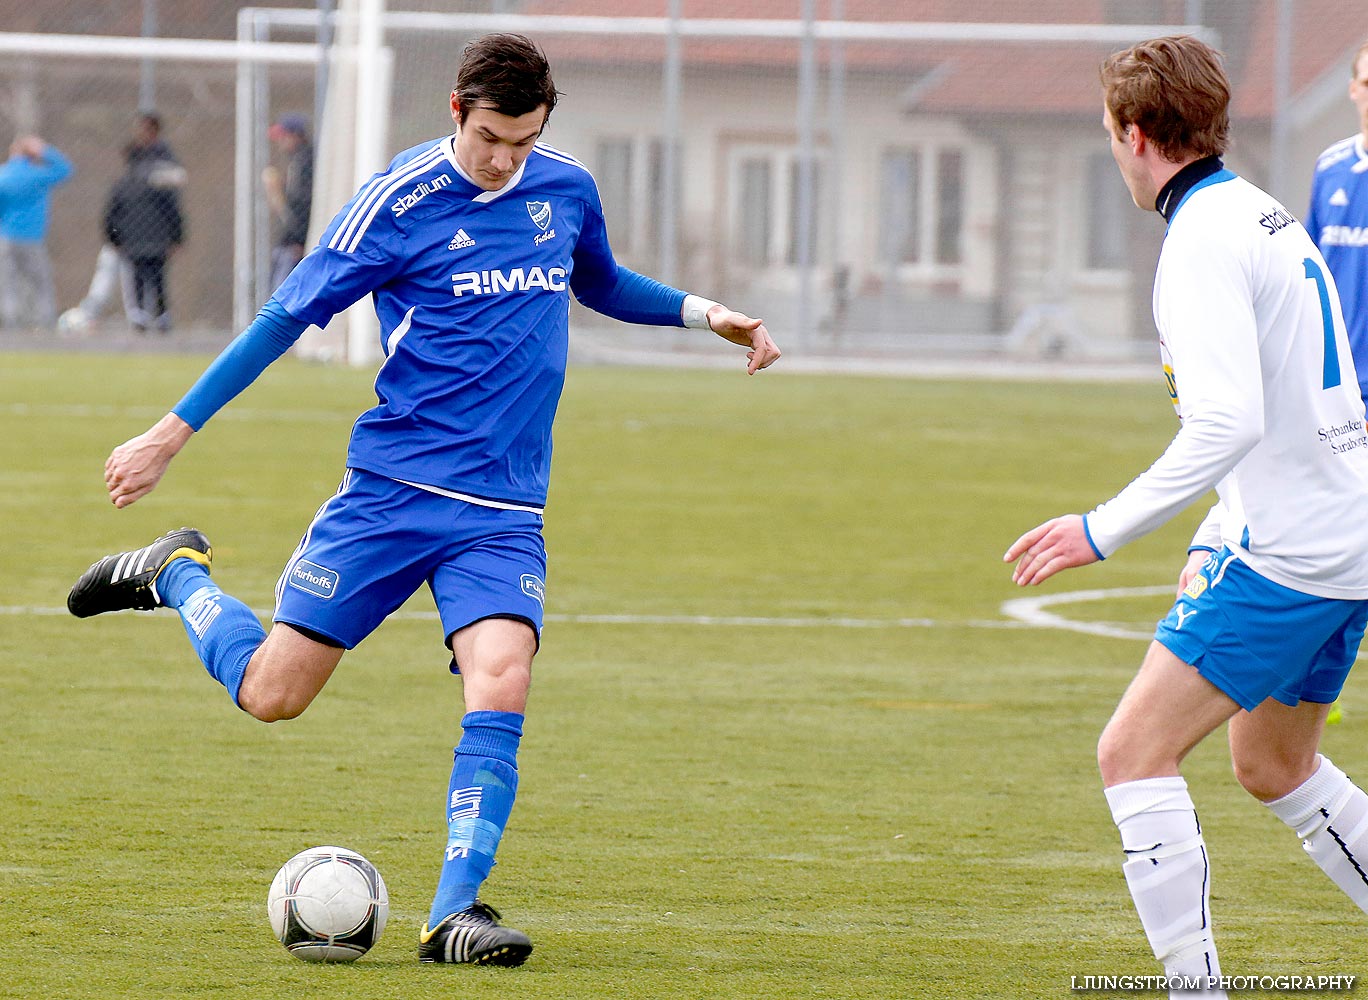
(896, 179)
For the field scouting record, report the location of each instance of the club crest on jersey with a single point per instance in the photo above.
(540, 212)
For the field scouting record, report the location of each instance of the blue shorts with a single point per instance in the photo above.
(377, 541)
(1256, 639)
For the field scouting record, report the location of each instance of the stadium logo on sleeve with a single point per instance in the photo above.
(534, 588)
(313, 579)
(424, 188)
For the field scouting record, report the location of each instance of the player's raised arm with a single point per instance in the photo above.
(134, 468)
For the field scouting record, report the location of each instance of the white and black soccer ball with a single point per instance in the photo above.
(328, 904)
(74, 322)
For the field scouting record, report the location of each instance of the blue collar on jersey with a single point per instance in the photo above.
(1197, 174)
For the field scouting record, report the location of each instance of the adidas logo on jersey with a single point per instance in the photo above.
(1340, 197)
(461, 240)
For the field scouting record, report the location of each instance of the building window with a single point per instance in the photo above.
(630, 174)
(949, 205)
(795, 208)
(756, 219)
(614, 177)
(1107, 210)
(656, 195)
(767, 202)
(902, 206)
(922, 207)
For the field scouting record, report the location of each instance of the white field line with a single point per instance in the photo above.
(108, 411)
(1032, 610)
(1023, 612)
(754, 621)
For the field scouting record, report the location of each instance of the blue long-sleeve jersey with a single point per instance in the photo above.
(472, 289)
(24, 187)
(1338, 222)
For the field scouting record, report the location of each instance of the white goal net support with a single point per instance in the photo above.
(888, 189)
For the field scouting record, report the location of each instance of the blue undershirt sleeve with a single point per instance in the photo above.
(633, 298)
(271, 334)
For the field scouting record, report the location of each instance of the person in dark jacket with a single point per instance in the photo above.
(290, 194)
(144, 222)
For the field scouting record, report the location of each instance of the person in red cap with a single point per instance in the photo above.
(290, 193)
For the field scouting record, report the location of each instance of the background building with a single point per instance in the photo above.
(880, 191)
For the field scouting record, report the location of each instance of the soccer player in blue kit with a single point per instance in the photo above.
(1273, 598)
(1338, 222)
(470, 246)
(1338, 217)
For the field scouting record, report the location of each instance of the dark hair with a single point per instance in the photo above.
(507, 73)
(1175, 90)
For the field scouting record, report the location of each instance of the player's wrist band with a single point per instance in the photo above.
(695, 312)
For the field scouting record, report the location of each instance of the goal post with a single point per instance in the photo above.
(351, 143)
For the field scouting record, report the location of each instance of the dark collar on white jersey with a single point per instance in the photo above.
(1171, 194)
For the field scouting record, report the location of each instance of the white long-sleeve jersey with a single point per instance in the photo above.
(1258, 363)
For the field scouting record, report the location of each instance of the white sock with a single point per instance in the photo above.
(1169, 877)
(1330, 814)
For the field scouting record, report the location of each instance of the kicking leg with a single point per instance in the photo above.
(271, 677)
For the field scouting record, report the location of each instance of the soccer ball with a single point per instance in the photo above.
(328, 904)
(73, 322)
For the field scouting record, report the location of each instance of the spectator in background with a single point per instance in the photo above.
(1337, 222)
(27, 296)
(113, 272)
(290, 194)
(143, 221)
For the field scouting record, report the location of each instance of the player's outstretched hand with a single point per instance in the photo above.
(135, 467)
(1060, 543)
(741, 329)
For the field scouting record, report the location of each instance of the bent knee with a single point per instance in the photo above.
(272, 704)
(1268, 779)
(1125, 756)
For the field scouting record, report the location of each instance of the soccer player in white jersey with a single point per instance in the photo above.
(470, 245)
(1274, 595)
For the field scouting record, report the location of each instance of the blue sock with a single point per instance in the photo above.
(484, 780)
(223, 631)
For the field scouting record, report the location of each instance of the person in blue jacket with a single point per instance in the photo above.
(470, 247)
(27, 295)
